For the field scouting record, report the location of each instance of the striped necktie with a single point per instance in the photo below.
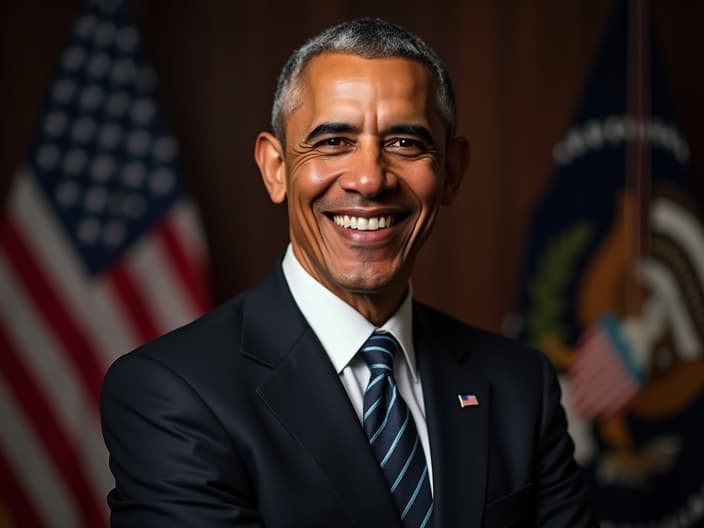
(393, 436)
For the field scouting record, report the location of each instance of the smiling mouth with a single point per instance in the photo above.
(361, 223)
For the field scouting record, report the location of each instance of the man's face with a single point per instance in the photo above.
(365, 171)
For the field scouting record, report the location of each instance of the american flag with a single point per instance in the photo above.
(468, 400)
(603, 377)
(99, 252)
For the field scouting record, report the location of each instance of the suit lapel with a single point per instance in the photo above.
(305, 394)
(459, 437)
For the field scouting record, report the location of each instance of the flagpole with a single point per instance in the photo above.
(637, 150)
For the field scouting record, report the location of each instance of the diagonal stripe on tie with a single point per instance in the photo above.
(393, 435)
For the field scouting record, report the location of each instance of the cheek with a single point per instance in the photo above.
(311, 180)
(308, 184)
(426, 186)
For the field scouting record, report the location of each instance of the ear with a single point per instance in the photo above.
(456, 163)
(270, 158)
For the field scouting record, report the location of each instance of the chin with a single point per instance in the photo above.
(367, 284)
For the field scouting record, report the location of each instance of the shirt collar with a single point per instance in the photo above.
(341, 329)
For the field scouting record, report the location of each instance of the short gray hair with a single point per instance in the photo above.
(371, 38)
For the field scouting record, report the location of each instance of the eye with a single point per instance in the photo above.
(332, 145)
(407, 146)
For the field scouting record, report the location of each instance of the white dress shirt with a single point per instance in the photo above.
(342, 331)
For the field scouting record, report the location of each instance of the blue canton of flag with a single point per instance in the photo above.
(105, 161)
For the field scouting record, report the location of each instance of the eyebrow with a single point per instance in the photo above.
(330, 128)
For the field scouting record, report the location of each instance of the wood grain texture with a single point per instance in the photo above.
(519, 70)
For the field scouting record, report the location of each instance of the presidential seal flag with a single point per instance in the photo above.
(100, 251)
(613, 289)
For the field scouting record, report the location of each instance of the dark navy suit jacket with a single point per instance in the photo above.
(239, 419)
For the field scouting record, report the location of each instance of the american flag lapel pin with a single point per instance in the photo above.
(468, 400)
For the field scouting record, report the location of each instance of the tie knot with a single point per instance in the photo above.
(378, 351)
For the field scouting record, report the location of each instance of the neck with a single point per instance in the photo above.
(376, 307)
(376, 304)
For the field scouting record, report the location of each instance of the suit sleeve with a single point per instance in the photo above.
(561, 498)
(174, 464)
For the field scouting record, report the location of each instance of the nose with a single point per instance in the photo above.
(368, 172)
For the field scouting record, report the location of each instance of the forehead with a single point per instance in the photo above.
(338, 82)
(330, 67)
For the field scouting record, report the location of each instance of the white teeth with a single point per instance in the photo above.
(361, 223)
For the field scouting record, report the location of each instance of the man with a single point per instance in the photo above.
(327, 397)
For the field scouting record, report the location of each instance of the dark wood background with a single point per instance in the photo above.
(519, 67)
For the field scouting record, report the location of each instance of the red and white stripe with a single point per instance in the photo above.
(60, 328)
(599, 385)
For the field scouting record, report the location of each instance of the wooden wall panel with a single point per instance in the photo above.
(518, 66)
(31, 33)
